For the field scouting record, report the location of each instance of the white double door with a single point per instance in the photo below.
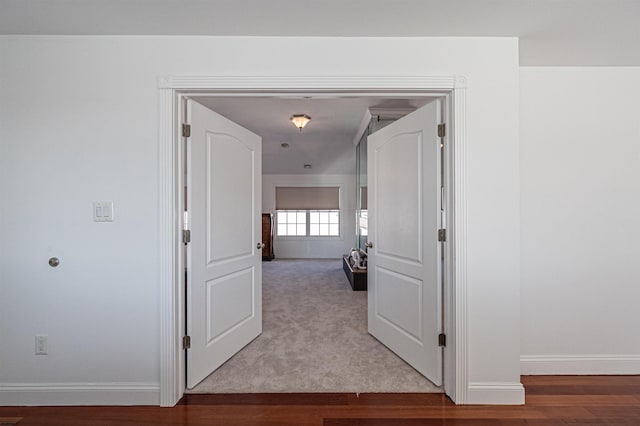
(224, 285)
(404, 263)
(224, 259)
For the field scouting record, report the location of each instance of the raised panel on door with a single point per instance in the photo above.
(224, 279)
(398, 173)
(398, 302)
(405, 257)
(230, 162)
(230, 303)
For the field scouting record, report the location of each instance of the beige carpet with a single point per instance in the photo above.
(314, 339)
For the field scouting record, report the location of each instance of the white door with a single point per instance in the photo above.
(404, 259)
(224, 259)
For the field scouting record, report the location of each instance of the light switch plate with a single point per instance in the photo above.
(103, 211)
(42, 344)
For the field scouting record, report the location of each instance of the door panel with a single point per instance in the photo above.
(398, 172)
(398, 301)
(229, 162)
(405, 259)
(229, 303)
(224, 280)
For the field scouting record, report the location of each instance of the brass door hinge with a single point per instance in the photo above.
(442, 339)
(186, 130)
(442, 235)
(186, 342)
(441, 130)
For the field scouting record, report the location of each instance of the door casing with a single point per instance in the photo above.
(172, 91)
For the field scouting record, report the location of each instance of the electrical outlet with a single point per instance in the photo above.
(42, 344)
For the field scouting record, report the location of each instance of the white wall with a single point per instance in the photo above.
(314, 247)
(80, 124)
(580, 204)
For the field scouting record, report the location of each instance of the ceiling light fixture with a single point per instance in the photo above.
(300, 120)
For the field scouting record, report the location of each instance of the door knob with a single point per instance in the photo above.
(369, 244)
(260, 246)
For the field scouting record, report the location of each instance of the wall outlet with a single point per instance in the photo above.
(42, 344)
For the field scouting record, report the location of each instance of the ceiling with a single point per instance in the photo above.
(551, 32)
(326, 143)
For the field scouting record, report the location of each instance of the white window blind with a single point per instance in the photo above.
(307, 198)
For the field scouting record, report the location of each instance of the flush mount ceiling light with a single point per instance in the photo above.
(300, 120)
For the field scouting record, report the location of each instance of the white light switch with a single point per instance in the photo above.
(42, 344)
(107, 211)
(103, 211)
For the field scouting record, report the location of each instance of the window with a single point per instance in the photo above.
(314, 223)
(324, 223)
(292, 222)
(308, 211)
(363, 222)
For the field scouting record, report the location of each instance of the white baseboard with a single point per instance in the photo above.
(79, 394)
(579, 364)
(495, 393)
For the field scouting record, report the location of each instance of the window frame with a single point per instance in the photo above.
(308, 225)
(296, 224)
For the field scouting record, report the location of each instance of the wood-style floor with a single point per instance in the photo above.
(551, 400)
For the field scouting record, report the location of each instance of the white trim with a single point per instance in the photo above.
(364, 124)
(456, 376)
(169, 258)
(495, 393)
(322, 83)
(171, 355)
(384, 113)
(79, 394)
(579, 364)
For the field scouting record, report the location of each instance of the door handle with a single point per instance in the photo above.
(369, 244)
(260, 246)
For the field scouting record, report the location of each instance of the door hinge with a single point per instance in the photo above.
(186, 236)
(442, 339)
(186, 342)
(441, 130)
(186, 130)
(442, 235)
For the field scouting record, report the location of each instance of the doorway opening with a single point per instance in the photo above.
(174, 89)
(405, 304)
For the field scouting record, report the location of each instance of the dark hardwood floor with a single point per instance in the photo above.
(551, 400)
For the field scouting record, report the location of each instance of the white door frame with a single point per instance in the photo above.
(172, 89)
